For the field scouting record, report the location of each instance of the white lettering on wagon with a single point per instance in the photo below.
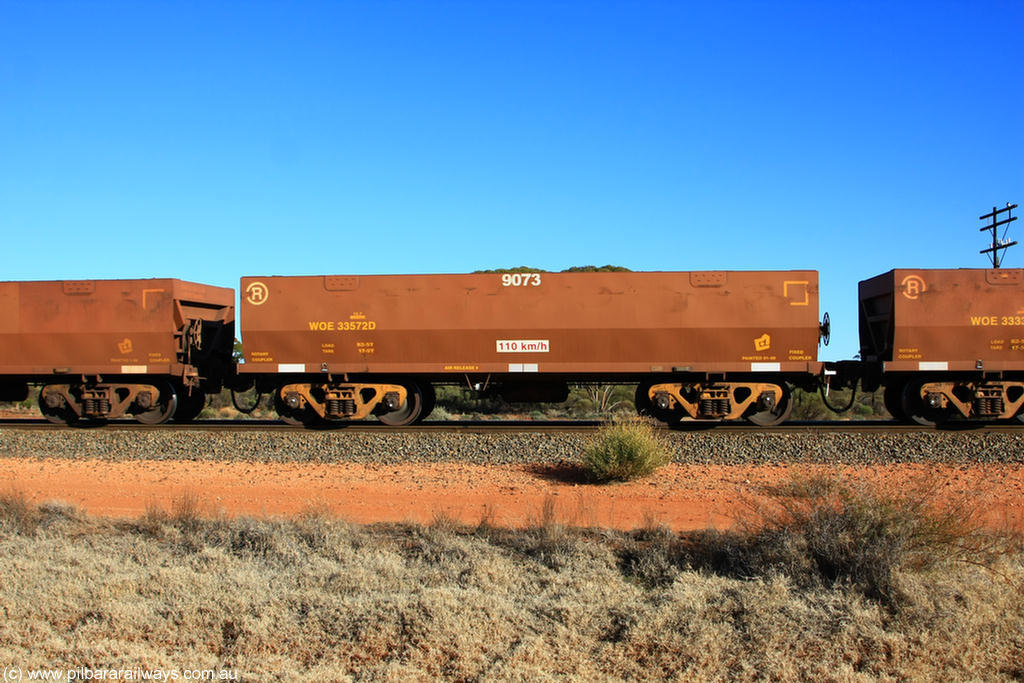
(520, 279)
(523, 345)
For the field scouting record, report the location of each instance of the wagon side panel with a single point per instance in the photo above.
(566, 323)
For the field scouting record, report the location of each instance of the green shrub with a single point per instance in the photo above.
(624, 450)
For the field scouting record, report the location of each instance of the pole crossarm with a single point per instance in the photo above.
(998, 245)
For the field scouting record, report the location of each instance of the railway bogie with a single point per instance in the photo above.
(938, 400)
(91, 402)
(336, 401)
(764, 403)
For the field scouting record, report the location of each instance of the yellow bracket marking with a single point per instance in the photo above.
(146, 292)
(796, 283)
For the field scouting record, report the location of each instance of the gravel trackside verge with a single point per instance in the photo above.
(704, 447)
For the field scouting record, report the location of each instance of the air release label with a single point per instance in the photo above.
(523, 346)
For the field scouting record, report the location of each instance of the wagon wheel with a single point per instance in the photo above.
(60, 415)
(408, 412)
(163, 407)
(777, 415)
(289, 416)
(915, 409)
(642, 401)
(189, 405)
(892, 397)
(429, 401)
(644, 407)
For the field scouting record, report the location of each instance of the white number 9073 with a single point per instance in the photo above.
(520, 279)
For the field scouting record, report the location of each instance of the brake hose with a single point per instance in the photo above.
(853, 397)
(245, 411)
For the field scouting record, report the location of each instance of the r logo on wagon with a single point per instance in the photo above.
(913, 286)
(257, 293)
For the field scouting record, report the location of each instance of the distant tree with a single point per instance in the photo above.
(599, 399)
(597, 269)
(517, 269)
(572, 269)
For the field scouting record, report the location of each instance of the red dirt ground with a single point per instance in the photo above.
(680, 496)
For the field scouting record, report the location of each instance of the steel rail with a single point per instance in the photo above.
(523, 426)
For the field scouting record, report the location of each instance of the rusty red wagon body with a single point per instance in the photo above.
(702, 344)
(104, 348)
(946, 343)
(705, 345)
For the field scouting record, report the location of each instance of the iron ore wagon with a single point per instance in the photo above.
(945, 344)
(703, 345)
(105, 348)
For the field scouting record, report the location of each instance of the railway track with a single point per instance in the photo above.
(514, 427)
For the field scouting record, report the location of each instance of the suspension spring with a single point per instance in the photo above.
(714, 407)
(96, 406)
(707, 407)
(988, 405)
(341, 407)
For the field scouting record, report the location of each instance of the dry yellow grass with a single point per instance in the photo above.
(320, 599)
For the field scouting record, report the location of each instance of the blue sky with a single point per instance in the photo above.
(211, 140)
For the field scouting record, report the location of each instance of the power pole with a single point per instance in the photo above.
(998, 244)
